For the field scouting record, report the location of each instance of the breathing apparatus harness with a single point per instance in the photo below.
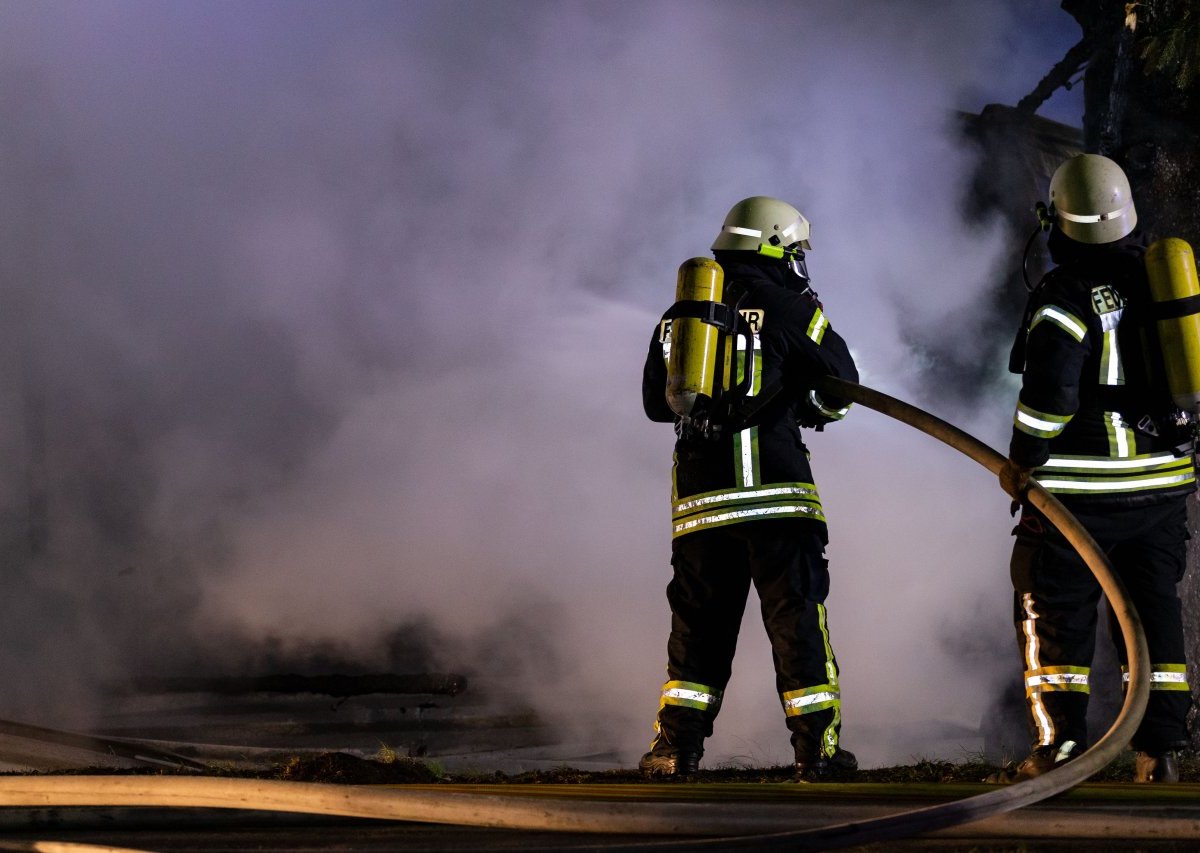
(1174, 310)
(705, 329)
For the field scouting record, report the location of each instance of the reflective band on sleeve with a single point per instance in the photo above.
(817, 326)
(741, 232)
(689, 694)
(1039, 424)
(810, 699)
(1065, 320)
(819, 405)
(1052, 679)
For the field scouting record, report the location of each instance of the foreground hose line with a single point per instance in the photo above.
(650, 818)
(1061, 778)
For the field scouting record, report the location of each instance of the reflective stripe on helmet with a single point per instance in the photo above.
(792, 229)
(742, 232)
(1096, 217)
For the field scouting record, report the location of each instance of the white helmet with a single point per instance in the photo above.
(762, 221)
(1090, 200)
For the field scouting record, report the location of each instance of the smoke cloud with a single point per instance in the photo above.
(324, 319)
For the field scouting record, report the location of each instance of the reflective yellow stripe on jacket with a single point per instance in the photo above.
(727, 506)
(1080, 475)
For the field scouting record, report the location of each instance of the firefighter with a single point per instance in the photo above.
(745, 506)
(1094, 426)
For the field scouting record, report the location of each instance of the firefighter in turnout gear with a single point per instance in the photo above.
(1096, 426)
(744, 504)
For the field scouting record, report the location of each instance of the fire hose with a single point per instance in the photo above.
(736, 823)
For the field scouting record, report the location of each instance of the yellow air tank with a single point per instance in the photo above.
(692, 363)
(1171, 269)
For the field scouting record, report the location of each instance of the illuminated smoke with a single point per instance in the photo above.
(334, 316)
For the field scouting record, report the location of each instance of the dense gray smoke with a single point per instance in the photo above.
(321, 319)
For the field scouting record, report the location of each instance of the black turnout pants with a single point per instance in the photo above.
(1055, 607)
(713, 571)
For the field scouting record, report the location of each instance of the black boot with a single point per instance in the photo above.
(1156, 767)
(669, 759)
(813, 768)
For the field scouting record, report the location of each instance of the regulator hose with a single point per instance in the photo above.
(469, 809)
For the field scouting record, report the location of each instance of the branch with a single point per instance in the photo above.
(1060, 75)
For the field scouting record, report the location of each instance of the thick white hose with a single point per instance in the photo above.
(678, 819)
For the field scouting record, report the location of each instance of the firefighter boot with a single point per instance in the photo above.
(1156, 767)
(1043, 759)
(670, 759)
(813, 768)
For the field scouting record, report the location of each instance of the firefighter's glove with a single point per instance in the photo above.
(1014, 479)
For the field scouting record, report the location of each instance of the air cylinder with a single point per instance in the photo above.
(1171, 268)
(692, 363)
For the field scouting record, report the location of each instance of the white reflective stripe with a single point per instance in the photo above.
(1094, 217)
(1113, 350)
(743, 232)
(1120, 433)
(1038, 423)
(1114, 485)
(746, 513)
(1057, 678)
(819, 327)
(746, 442)
(690, 695)
(1068, 322)
(812, 699)
(1042, 721)
(726, 497)
(1145, 462)
(1169, 677)
(744, 446)
(790, 230)
(1160, 677)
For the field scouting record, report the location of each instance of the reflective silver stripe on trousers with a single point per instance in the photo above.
(1158, 677)
(1057, 678)
(689, 695)
(813, 699)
